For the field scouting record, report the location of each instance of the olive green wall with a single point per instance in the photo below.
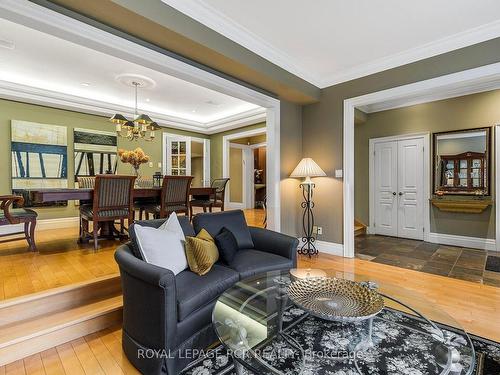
(236, 174)
(323, 121)
(216, 148)
(466, 112)
(10, 110)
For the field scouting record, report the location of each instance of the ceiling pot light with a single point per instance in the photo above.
(86, 84)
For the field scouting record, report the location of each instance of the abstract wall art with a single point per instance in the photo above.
(95, 152)
(39, 155)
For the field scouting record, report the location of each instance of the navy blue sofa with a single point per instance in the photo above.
(166, 316)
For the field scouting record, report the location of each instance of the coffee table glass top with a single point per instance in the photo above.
(267, 334)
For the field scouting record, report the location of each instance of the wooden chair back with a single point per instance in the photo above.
(175, 194)
(113, 197)
(220, 189)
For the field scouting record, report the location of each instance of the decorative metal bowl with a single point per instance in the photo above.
(336, 299)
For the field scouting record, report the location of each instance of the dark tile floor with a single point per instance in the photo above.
(457, 262)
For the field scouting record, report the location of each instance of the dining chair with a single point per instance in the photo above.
(174, 197)
(140, 204)
(213, 200)
(112, 200)
(18, 215)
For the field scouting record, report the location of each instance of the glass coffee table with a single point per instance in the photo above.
(267, 334)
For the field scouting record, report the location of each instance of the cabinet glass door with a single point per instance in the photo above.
(178, 156)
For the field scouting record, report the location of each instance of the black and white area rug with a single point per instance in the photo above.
(402, 346)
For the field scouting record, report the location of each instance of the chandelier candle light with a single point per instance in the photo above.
(141, 128)
(306, 169)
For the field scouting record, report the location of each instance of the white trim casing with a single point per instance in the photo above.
(497, 185)
(443, 83)
(427, 178)
(463, 241)
(226, 144)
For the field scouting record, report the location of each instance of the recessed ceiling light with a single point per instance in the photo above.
(211, 102)
(85, 84)
(194, 111)
(147, 99)
(7, 44)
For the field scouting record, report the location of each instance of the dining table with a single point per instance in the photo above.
(108, 230)
(46, 195)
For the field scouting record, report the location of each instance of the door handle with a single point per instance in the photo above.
(400, 193)
(393, 193)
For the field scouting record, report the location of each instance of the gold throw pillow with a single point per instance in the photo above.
(201, 252)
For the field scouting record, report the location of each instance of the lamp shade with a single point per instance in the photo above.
(307, 168)
(118, 119)
(143, 119)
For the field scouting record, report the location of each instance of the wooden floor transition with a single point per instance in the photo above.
(61, 261)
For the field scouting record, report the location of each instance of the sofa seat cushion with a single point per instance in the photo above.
(195, 291)
(250, 262)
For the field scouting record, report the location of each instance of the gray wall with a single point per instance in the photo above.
(291, 153)
(467, 112)
(323, 121)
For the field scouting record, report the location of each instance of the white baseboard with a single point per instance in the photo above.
(44, 224)
(234, 206)
(331, 248)
(463, 241)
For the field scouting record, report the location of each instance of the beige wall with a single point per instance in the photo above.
(197, 171)
(236, 175)
(323, 121)
(10, 110)
(472, 111)
(216, 148)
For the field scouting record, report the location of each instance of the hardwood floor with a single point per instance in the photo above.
(96, 354)
(62, 261)
(474, 306)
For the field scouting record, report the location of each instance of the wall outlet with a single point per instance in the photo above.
(317, 230)
(338, 173)
(150, 164)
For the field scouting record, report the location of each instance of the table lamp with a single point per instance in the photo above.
(306, 169)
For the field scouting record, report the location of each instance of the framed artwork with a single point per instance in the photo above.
(95, 152)
(39, 157)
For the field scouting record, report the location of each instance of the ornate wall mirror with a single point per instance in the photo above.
(461, 162)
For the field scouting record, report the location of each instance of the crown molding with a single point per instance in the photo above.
(48, 98)
(488, 83)
(219, 22)
(453, 42)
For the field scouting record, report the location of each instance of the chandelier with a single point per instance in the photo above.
(142, 127)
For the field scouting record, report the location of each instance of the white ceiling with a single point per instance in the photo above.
(42, 61)
(330, 41)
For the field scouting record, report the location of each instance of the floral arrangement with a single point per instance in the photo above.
(134, 157)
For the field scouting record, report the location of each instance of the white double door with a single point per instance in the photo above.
(399, 188)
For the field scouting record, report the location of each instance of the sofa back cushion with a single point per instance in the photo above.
(186, 226)
(232, 220)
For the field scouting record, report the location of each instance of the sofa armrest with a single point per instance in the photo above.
(275, 243)
(149, 301)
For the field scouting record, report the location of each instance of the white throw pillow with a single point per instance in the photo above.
(172, 224)
(160, 247)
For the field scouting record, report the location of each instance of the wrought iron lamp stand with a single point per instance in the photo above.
(308, 247)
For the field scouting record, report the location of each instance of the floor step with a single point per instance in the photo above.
(35, 323)
(57, 299)
(359, 228)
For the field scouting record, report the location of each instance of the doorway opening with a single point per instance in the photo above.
(245, 163)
